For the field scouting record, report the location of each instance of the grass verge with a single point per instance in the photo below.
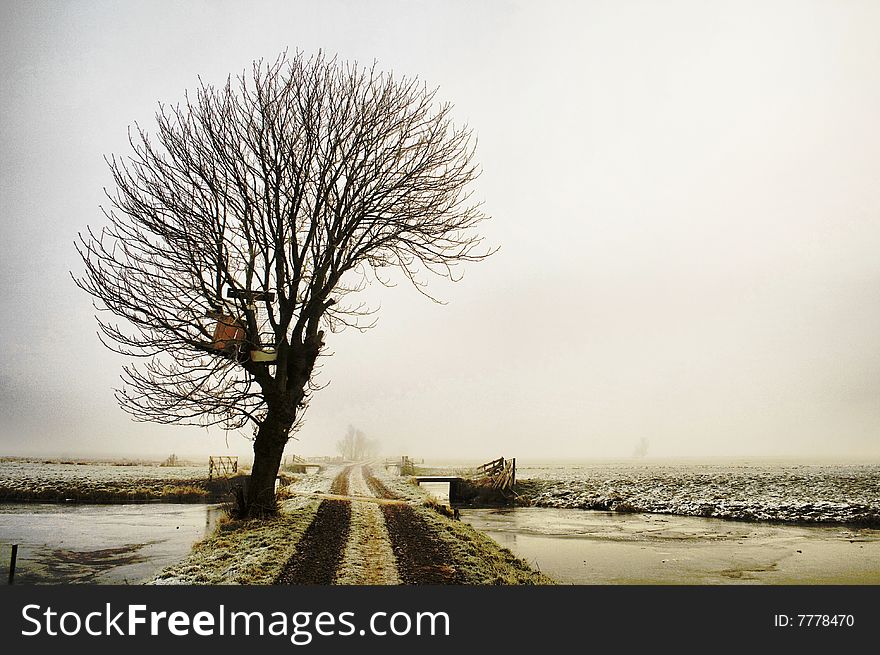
(242, 552)
(179, 491)
(480, 559)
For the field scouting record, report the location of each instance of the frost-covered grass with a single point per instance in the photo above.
(22, 480)
(252, 552)
(242, 552)
(477, 556)
(368, 558)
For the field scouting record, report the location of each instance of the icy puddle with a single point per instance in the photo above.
(591, 547)
(104, 544)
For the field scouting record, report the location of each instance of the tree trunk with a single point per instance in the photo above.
(268, 449)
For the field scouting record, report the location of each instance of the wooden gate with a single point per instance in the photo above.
(222, 466)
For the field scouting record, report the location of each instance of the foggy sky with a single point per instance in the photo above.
(686, 196)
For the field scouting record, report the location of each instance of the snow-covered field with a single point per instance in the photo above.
(33, 472)
(94, 478)
(790, 493)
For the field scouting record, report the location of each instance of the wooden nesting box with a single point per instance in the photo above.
(229, 332)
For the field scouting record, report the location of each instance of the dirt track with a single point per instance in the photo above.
(419, 556)
(320, 551)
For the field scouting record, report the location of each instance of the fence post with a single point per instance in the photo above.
(12, 562)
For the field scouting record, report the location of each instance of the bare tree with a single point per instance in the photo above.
(238, 231)
(355, 446)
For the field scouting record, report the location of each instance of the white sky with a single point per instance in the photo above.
(686, 195)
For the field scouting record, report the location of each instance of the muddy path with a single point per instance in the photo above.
(323, 545)
(422, 558)
(354, 541)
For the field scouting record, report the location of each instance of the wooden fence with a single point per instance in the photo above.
(500, 473)
(405, 465)
(222, 466)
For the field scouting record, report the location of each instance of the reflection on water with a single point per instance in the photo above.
(106, 544)
(591, 547)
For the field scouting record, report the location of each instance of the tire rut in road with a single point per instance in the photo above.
(422, 557)
(321, 548)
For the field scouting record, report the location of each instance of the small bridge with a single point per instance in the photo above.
(297, 464)
(488, 485)
(404, 466)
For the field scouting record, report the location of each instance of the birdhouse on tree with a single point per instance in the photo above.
(228, 333)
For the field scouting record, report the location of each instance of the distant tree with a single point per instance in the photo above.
(355, 446)
(286, 188)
